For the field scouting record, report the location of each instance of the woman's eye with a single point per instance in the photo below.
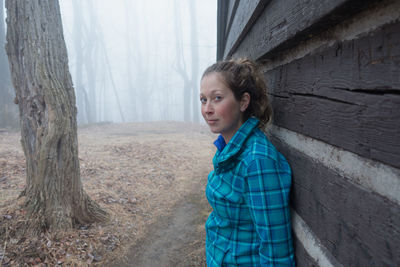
(203, 100)
(218, 98)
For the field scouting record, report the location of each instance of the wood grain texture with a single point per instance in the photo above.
(242, 19)
(301, 256)
(222, 17)
(284, 24)
(347, 95)
(358, 227)
(232, 7)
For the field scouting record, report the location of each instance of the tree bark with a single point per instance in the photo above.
(38, 61)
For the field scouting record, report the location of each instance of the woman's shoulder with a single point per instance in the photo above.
(259, 147)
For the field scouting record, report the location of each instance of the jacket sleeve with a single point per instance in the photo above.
(267, 195)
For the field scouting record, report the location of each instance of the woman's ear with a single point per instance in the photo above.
(244, 102)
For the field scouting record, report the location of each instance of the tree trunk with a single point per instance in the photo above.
(181, 65)
(195, 62)
(39, 69)
(90, 59)
(130, 15)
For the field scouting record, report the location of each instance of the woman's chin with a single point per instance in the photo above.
(213, 129)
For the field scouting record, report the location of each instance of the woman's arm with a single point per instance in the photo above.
(267, 195)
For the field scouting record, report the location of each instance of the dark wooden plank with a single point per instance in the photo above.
(368, 63)
(231, 15)
(302, 258)
(358, 227)
(222, 16)
(370, 131)
(344, 99)
(284, 24)
(245, 15)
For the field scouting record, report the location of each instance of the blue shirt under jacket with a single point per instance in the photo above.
(249, 193)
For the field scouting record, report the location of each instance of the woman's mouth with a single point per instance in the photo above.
(211, 121)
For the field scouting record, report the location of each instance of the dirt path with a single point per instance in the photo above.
(150, 177)
(174, 240)
(178, 238)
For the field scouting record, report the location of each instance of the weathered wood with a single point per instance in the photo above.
(284, 24)
(231, 10)
(343, 98)
(222, 16)
(242, 19)
(367, 63)
(301, 256)
(358, 227)
(370, 131)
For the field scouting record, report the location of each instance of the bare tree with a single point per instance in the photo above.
(190, 92)
(78, 45)
(181, 64)
(195, 61)
(85, 49)
(130, 14)
(8, 111)
(110, 75)
(91, 55)
(38, 59)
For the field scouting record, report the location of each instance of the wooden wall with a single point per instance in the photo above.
(333, 69)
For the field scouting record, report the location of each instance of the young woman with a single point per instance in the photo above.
(249, 186)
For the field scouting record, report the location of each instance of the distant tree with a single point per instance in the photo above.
(130, 74)
(8, 110)
(194, 49)
(180, 67)
(91, 59)
(85, 49)
(190, 92)
(81, 94)
(38, 58)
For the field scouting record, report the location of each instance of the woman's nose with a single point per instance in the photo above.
(208, 108)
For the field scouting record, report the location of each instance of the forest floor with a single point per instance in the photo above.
(150, 177)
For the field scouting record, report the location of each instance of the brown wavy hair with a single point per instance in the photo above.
(243, 76)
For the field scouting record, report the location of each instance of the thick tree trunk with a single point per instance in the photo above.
(39, 68)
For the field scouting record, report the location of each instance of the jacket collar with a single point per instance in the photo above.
(236, 143)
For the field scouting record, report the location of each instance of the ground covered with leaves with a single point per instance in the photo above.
(150, 177)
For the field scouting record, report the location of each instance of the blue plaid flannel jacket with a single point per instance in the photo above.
(249, 193)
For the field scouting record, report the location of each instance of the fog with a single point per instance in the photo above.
(135, 60)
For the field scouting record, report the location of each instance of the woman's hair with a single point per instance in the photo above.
(243, 76)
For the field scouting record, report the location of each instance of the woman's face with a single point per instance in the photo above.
(219, 107)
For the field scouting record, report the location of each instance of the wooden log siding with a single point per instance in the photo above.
(242, 19)
(347, 95)
(301, 256)
(278, 25)
(343, 99)
(232, 7)
(358, 227)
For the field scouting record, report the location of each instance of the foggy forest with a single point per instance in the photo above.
(100, 129)
(108, 157)
(131, 60)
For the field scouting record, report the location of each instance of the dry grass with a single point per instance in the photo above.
(138, 172)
